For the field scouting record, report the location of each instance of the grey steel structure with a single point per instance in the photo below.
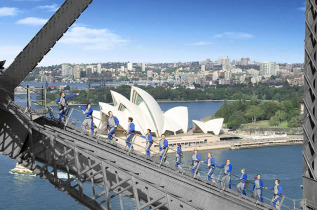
(310, 101)
(47, 147)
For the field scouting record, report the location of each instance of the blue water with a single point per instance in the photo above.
(283, 162)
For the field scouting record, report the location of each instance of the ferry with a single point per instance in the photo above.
(20, 169)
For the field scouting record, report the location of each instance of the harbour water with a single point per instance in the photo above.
(283, 162)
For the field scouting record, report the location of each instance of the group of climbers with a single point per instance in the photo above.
(113, 122)
(241, 187)
(226, 178)
(63, 108)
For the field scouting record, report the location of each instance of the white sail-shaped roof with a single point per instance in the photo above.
(148, 105)
(176, 119)
(214, 125)
(146, 113)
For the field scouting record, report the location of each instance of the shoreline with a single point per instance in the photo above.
(166, 101)
(208, 142)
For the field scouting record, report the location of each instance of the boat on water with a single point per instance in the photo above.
(20, 169)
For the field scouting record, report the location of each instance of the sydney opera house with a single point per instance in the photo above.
(146, 113)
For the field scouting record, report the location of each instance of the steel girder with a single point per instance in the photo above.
(42, 43)
(310, 102)
(80, 155)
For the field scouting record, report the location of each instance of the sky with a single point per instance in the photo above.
(153, 31)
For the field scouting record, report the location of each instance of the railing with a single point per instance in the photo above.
(285, 202)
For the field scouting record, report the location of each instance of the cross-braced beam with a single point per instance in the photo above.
(42, 43)
(310, 102)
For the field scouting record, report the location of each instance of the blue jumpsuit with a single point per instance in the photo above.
(149, 142)
(112, 125)
(242, 185)
(195, 161)
(226, 178)
(179, 154)
(277, 195)
(211, 165)
(163, 145)
(257, 189)
(63, 105)
(88, 119)
(131, 132)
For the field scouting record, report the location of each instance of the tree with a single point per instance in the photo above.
(270, 108)
(254, 112)
(125, 78)
(274, 121)
(236, 120)
(280, 116)
(295, 122)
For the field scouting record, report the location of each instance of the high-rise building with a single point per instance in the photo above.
(89, 70)
(203, 68)
(234, 62)
(92, 69)
(43, 78)
(268, 69)
(50, 79)
(220, 60)
(77, 72)
(129, 66)
(122, 69)
(143, 66)
(67, 70)
(228, 75)
(244, 61)
(215, 76)
(149, 73)
(99, 68)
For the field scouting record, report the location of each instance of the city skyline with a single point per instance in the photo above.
(161, 32)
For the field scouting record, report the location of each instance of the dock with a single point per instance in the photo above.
(202, 142)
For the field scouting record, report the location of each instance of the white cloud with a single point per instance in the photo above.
(8, 11)
(49, 8)
(234, 35)
(303, 8)
(201, 43)
(92, 39)
(8, 53)
(34, 21)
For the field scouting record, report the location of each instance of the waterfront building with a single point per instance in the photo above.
(214, 125)
(50, 79)
(67, 70)
(146, 113)
(90, 69)
(77, 71)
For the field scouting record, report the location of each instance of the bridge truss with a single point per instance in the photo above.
(46, 148)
